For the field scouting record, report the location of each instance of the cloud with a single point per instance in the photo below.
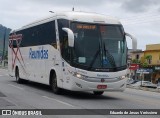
(21, 12)
(139, 5)
(66, 3)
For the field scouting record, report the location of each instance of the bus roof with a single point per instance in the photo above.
(75, 16)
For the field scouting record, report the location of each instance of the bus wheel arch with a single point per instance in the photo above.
(53, 82)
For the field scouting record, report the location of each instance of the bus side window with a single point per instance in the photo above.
(63, 36)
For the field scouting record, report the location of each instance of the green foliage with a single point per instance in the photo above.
(144, 64)
(136, 61)
(141, 62)
(148, 57)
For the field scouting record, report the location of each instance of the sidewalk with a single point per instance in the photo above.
(3, 67)
(144, 88)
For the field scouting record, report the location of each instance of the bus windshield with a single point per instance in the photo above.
(99, 47)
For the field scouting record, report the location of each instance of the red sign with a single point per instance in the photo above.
(134, 67)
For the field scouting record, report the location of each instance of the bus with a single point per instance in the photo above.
(77, 51)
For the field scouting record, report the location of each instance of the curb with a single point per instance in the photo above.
(144, 89)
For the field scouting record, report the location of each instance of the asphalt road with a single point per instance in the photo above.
(37, 96)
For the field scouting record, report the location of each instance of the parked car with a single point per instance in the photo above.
(144, 84)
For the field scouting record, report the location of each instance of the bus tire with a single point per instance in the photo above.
(54, 86)
(98, 92)
(18, 79)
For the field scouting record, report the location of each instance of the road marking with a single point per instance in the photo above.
(4, 75)
(59, 101)
(141, 99)
(16, 86)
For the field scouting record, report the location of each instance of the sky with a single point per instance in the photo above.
(141, 18)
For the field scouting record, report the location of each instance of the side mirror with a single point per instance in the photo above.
(70, 36)
(134, 41)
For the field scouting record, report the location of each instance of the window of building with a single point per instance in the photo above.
(137, 56)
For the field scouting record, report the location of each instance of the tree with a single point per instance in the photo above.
(148, 58)
(136, 61)
(144, 65)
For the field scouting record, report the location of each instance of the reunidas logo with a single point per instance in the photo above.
(38, 54)
(103, 75)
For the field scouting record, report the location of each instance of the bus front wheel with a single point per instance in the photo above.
(98, 92)
(54, 86)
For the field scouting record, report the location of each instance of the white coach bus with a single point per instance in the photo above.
(71, 50)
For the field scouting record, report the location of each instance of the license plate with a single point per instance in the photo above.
(101, 86)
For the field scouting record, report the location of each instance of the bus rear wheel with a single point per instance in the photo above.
(98, 92)
(54, 86)
(18, 79)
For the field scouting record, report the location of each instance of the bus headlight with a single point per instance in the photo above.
(80, 76)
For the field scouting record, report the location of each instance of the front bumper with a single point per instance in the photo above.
(83, 85)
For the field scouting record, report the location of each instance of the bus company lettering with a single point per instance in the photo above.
(99, 75)
(38, 54)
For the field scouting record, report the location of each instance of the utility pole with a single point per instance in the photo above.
(3, 54)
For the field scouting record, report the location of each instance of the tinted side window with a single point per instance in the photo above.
(39, 35)
(63, 37)
(62, 23)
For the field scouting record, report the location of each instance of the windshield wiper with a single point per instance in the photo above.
(109, 56)
(94, 58)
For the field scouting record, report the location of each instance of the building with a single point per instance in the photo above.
(154, 52)
(137, 55)
(134, 57)
(152, 57)
(4, 35)
(145, 65)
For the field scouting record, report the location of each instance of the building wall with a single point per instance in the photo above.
(154, 51)
(155, 57)
(153, 47)
(134, 55)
